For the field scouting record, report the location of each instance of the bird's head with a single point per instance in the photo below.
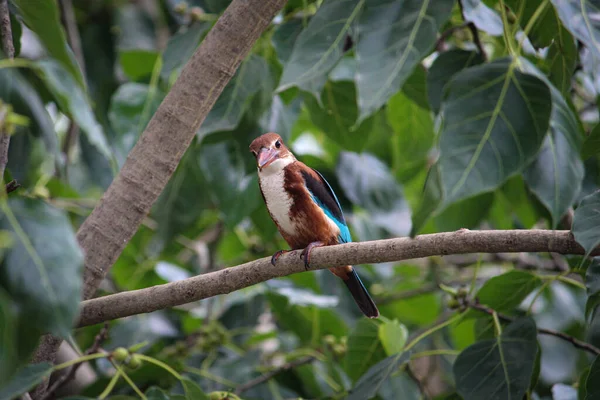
(270, 152)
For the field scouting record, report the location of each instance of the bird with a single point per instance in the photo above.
(305, 209)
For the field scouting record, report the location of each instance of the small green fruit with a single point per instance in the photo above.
(134, 362)
(120, 354)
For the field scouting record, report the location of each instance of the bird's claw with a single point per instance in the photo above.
(277, 255)
(305, 255)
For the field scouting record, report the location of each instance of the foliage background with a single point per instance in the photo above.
(416, 130)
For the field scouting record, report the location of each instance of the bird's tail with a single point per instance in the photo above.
(360, 294)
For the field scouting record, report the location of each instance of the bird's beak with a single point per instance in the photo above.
(266, 157)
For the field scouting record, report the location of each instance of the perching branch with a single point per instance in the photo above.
(264, 378)
(575, 342)
(231, 279)
(9, 50)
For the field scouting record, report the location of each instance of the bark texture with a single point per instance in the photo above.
(9, 51)
(231, 279)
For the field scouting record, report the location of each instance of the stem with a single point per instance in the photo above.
(436, 328)
(80, 360)
(438, 352)
(110, 386)
(538, 12)
(508, 35)
(160, 364)
(129, 381)
(497, 325)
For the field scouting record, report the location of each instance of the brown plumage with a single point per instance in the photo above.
(304, 208)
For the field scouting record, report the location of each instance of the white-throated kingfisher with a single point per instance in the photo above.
(305, 210)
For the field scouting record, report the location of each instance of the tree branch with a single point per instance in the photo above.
(231, 279)
(575, 342)
(9, 50)
(264, 378)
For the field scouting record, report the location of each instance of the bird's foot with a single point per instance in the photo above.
(277, 255)
(306, 253)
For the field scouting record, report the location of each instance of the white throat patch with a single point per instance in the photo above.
(279, 203)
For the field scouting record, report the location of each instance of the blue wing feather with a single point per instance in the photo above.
(333, 210)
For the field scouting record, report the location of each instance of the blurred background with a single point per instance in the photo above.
(211, 215)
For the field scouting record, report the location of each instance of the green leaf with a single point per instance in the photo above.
(562, 59)
(74, 102)
(579, 18)
(505, 292)
(392, 335)
(284, 37)
(181, 47)
(467, 213)
(483, 17)
(495, 120)
(556, 174)
(138, 64)
(409, 29)
(369, 384)
(364, 348)
(413, 135)
(592, 285)
(154, 393)
(42, 271)
(367, 182)
(592, 383)
(499, 368)
(24, 380)
(192, 390)
(585, 222)
(445, 66)
(43, 17)
(337, 115)
(591, 145)
(227, 112)
(320, 46)
(430, 202)
(223, 168)
(543, 31)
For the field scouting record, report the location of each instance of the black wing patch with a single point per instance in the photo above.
(324, 194)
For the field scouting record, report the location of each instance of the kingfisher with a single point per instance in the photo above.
(305, 209)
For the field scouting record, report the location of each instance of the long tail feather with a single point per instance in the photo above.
(361, 296)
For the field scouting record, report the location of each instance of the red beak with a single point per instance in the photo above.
(266, 157)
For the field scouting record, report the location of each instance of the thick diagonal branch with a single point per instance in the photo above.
(231, 279)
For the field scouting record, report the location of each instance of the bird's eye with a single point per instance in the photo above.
(278, 144)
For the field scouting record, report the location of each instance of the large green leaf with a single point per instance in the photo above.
(364, 348)
(445, 66)
(562, 59)
(591, 145)
(505, 292)
(586, 228)
(285, 36)
(337, 115)
(413, 135)
(42, 271)
(227, 112)
(24, 380)
(369, 384)
(393, 37)
(499, 368)
(592, 383)
(543, 31)
(495, 120)
(154, 393)
(580, 19)
(193, 391)
(320, 46)
(138, 64)
(43, 17)
(74, 102)
(223, 168)
(556, 174)
(367, 182)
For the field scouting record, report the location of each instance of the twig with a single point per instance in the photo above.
(447, 33)
(231, 279)
(474, 32)
(6, 30)
(9, 50)
(575, 342)
(98, 340)
(265, 377)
